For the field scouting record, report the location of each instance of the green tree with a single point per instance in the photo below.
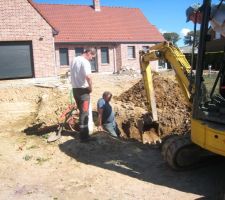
(189, 38)
(171, 37)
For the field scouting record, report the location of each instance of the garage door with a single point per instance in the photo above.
(16, 60)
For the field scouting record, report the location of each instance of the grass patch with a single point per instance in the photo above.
(27, 157)
(41, 160)
(45, 136)
(209, 81)
(32, 147)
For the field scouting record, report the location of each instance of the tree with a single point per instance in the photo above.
(171, 37)
(189, 38)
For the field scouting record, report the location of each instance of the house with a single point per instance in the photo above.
(27, 43)
(40, 40)
(187, 51)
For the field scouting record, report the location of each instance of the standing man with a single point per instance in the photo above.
(82, 87)
(106, 116)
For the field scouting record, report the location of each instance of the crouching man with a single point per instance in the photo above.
(106, 116)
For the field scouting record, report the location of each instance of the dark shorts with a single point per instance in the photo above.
(82, 98)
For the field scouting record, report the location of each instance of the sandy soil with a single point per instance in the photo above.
(31, 168)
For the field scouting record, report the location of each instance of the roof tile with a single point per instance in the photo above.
(77, 23)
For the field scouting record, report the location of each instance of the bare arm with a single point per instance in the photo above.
(89, 80)
(100, 112)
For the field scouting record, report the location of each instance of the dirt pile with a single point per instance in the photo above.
(173, 110)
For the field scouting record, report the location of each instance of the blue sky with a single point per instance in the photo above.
(167, 16)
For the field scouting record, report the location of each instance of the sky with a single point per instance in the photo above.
(167, 16)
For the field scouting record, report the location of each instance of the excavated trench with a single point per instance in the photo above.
(35, 109)
(173, 110)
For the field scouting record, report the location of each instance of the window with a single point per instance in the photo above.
(79, 51)
(145, 48)
(131, 51)
(105, 55)
(162, 64)
(63, 54)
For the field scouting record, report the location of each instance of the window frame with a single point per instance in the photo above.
(145, 48)
(79, 49)
(107, 55)
(133, 52)
(60, 56)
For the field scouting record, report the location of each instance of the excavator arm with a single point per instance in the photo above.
(179, 63)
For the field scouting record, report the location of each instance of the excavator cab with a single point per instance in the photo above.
(207, 98)
(204, 91)
(209, 102)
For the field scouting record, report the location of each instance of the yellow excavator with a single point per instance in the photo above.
(205, 93)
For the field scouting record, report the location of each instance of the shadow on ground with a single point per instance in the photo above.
(41, 129)
(144, 163)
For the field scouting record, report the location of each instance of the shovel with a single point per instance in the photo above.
(55, 135)
(67, 114)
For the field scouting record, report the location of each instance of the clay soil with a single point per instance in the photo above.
(127, 168)
(172, 108)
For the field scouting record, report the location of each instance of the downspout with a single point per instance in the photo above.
(54, 32)
(114, 60)
(55, 64)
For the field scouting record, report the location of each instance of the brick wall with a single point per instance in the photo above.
(110, 67)
(118, 57)
(134, 62)
(21, 22)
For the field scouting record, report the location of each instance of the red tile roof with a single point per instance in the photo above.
(78, 23)
(44, 17)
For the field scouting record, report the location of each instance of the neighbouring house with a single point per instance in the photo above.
(215, 48)
(40, 40)
(187, 51)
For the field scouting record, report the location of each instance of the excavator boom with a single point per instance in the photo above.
(167, 51)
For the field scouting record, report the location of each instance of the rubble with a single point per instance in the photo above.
(129, 71)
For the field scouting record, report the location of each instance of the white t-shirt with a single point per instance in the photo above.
(218, 20)
(79, 69)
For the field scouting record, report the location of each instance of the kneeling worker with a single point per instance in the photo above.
(106, 117)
